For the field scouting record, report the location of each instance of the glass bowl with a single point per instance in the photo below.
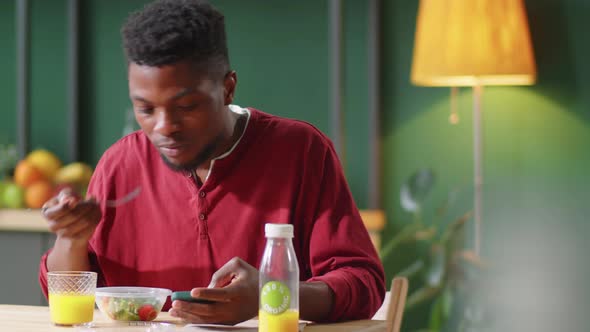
(131, 303)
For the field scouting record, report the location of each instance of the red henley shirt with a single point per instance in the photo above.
(176, 234)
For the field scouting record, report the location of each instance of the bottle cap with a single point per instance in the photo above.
(279, 230)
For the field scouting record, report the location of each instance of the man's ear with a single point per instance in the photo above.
(229, 82)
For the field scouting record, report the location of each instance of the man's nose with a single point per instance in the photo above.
(167, 123)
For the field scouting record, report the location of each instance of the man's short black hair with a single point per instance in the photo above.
(167, 31)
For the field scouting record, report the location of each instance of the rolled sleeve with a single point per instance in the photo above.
(43, 273)
(94, 266)
(355, 297)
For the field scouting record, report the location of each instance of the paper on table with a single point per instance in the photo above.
(247, 326)
(138, 326)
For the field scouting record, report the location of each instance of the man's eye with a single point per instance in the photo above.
(187, 107)
(144, 110)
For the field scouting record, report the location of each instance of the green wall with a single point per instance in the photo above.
(282, 63)
(104, 99)
(48, 76)
(535, 138)
(7, 73)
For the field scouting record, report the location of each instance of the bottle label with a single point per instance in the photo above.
(275, 297)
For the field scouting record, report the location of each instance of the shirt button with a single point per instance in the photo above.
(202, 194)
(202, 216)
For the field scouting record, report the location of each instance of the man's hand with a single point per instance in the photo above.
(234, 290)
(72, 218)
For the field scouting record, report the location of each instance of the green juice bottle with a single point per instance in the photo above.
(279, 282)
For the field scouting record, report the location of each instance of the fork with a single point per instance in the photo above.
(120, 201)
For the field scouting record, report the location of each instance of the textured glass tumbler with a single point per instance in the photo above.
(71, 297)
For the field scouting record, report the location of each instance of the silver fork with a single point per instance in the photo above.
(120, 201)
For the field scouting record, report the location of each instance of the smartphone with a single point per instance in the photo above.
(186, 296)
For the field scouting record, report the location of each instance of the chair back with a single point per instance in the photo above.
(397, 302)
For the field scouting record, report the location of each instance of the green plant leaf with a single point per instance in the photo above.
(415, 190)
(425, 234)
(456, 226)
(405, 234)
(436, 271)
(471, 258)
(413, 269)
(441, 310)
(421, 295)
(447, 303)
(450, 199)
(436, 321)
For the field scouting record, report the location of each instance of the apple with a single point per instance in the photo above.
(13, 196)
(2, 186)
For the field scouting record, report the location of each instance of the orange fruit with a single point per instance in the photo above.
(38, 193)
(45, 161)
(26, 174)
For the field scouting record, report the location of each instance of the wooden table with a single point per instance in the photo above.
(16, 318)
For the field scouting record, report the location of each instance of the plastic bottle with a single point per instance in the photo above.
(279, 282)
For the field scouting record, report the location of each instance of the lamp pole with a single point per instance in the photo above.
(477, 165)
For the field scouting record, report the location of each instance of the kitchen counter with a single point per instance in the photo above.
(27, 220)
(22, 221)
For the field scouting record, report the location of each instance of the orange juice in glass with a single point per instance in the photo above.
(71, 297)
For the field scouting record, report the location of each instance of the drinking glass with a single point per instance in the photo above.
(71, 297)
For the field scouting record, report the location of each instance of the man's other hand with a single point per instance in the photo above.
(234, 292)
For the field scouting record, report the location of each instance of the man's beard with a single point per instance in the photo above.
(192, 165)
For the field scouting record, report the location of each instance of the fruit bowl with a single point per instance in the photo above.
(131, 303)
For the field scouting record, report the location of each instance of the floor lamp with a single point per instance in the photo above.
(473, 43)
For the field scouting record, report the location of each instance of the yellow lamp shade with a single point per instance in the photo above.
(472, 42)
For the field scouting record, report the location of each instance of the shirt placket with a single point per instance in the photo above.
(200, 204)
(203, 213)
